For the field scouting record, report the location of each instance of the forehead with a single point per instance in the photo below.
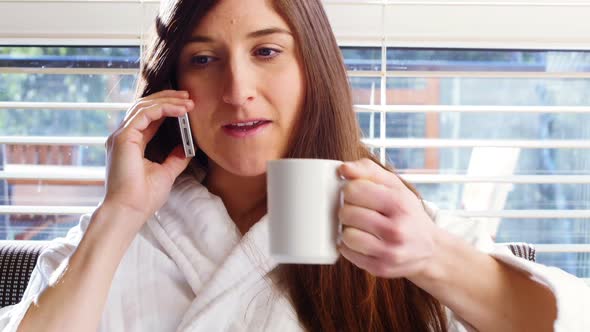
(240, 16)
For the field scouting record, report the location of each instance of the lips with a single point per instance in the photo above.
(249, 125)
(245, 128)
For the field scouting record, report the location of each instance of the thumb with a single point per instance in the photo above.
(176, 161)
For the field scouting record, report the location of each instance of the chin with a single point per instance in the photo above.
(245, 165)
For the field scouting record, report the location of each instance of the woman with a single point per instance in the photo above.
(167, 251)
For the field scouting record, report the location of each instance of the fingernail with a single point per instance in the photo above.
(340, 171)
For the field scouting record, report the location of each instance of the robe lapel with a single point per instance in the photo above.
(196, 231)
(248, 263)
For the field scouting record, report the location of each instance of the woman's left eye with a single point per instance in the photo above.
(266, 52)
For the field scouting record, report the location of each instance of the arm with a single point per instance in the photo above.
(74, 300)
(489, 295)
(135, 188)
(387, 232)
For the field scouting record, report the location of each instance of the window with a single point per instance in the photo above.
(54, 98)
(493, 130)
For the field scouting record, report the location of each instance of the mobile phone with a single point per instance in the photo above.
(185, 132)
(187, 137)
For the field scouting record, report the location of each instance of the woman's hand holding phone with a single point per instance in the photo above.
(135, 184)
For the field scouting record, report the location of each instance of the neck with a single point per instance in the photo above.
(243, 197)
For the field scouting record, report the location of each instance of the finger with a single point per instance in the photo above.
(362, 242)
(176, 162)
(166, 100)
(143, 119)
(167, 93)
(180, 94)
(379, 267)
(151, 131)
(369, 221)
(369, 195)
(369, 170)
(367, 263)
(144, 125)
(145, 103)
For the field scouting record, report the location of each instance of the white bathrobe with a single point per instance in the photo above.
(190, 270)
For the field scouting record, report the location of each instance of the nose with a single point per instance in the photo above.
(240, 86)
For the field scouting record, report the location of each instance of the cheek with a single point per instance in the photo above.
(204, 97)
(200, 117)
(201, 94)
(200, 87)
(289, 92)
(203, 124)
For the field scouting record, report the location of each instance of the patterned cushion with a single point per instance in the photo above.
(523, 250)
(17, 260)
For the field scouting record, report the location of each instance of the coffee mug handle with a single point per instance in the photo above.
(342, 182)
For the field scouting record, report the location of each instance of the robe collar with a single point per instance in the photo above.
(198, 234)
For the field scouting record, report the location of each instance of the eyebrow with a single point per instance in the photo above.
(251, 35)
(268, 31)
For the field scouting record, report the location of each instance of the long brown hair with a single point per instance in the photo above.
(338, 297)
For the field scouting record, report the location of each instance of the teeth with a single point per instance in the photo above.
(246, 124)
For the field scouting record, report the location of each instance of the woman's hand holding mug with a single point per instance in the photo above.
(386, 230)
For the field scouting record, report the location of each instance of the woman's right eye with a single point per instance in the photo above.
(201, 60)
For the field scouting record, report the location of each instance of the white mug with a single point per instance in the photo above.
(304, 196)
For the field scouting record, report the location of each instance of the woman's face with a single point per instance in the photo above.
(242, 70)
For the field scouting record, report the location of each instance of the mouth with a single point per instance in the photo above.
(245, 128)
